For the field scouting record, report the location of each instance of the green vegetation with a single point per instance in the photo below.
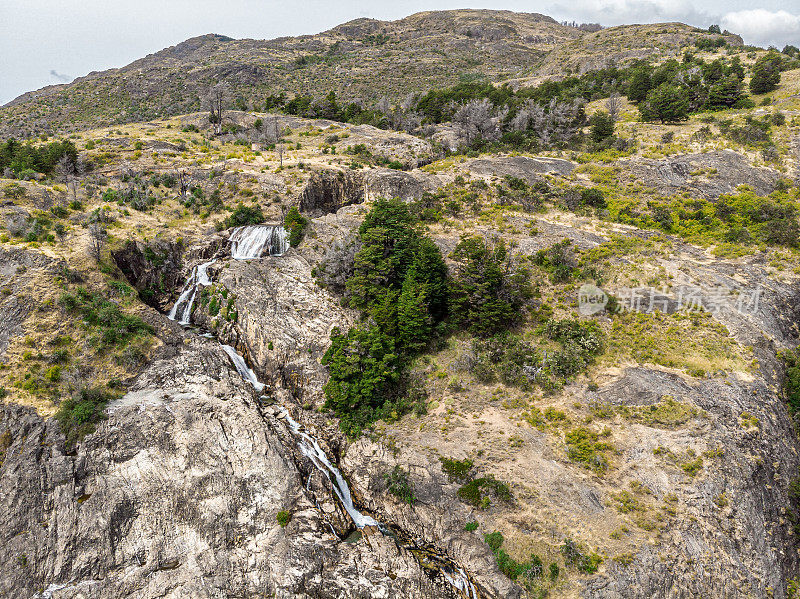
(245, 215)
(489, 291)
(296, 224)
(478, 492)
(78, 414)
(766, 74)
(672, 90)
(585, 447)
(667, 413)
(456, 470)
(399, 282)
(471, 526)
(743, 218)
(399, 485)
(26, 157)
(667, 103)
(530, 574)
(579, 558)
(112, 326)
(791, 381)
(283, 517)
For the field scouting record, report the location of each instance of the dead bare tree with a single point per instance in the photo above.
(217, 99)
(614, 106)
(183, 182)
(475, 120)
(65, 168)
(556, 123)
(97, 238)
(279, 150)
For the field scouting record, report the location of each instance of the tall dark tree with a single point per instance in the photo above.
(667, 103)
(639, 85)
(766, 74)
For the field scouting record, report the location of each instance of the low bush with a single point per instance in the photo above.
(478, 492)
(245, 215)
(399, 485)
(78, 414)
(283, 517)
(112, 325)
(456, 470)
(295, 223)
(579, 558)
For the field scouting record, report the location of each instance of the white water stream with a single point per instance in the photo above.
(182, 310)
(307, 444)
(250, 242)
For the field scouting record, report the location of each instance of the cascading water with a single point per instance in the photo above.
(182, 310)
(250, 242)
(242, 368)
(309, 447)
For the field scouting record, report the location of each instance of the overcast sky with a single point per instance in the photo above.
(52, 41)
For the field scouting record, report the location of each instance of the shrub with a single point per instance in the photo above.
(471, 526)
(283, 517)
(579, 558)
(601, 127)
(593, 197)
(113, 326)
(584, 447)
(558, 260)
(245, 215)
(766, 74)
(667, 103)
(456, 470)
(488, 290)
(296, 224)
(365, 373)
(476, 492)
(523, 572)
(78, 414)
(399, 485)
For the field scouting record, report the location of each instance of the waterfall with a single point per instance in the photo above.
(182, 310)
(251, 241)
(461, 581)
(242, 368)
(309, 447)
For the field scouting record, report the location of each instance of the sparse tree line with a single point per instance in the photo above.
(549, 115)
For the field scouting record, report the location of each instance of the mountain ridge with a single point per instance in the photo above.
(363, 60)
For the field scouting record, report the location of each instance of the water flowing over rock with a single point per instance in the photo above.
(250, 242)
(182, 309)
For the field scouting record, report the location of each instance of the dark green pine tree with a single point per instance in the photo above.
(766, 74)
(639, 85)
(667, 103)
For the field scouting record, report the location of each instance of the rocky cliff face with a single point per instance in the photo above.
(154, 269)
(176, 495)
(726, 529)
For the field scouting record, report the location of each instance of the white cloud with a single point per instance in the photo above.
(763, 27)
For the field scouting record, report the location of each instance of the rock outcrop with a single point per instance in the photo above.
(177, 495)
(709, 175)
(154, 269)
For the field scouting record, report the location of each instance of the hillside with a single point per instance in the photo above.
(362, 60)
(365, 59)
(523, 350)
